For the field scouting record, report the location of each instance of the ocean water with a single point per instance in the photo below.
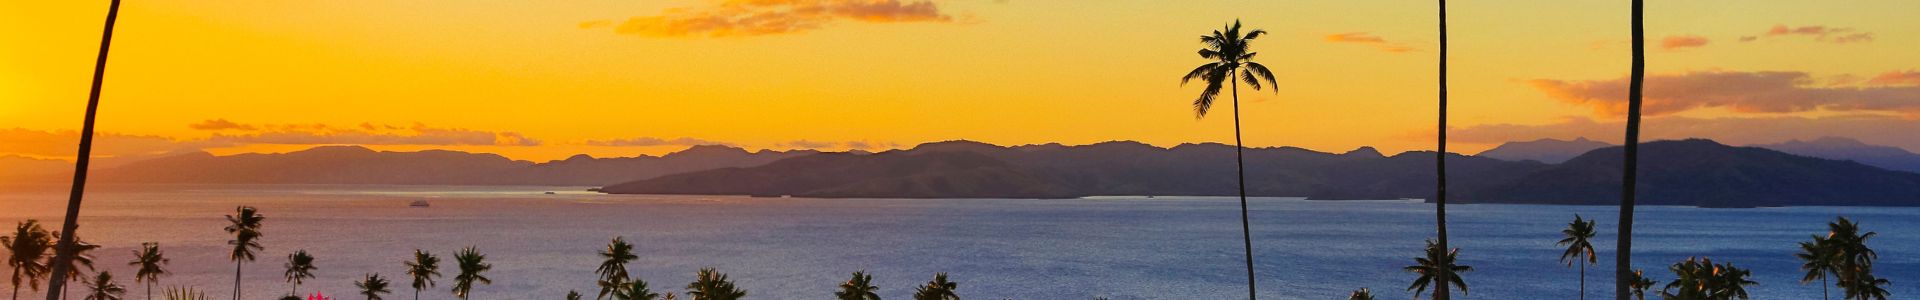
(542, 245)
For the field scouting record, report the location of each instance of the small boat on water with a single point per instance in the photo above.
(549, 193)
(418, 204)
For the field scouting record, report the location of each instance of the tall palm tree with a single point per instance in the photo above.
(1231, 62)
(1440, 158)
(1865, 286)
(244, 225)
(472, 266)
(102, 287)
(82, 158)
(79, 256)
(1853, 258)
(149, 264)
(1818, 258)
(613, 270)
(1579, 236)
(1361, 294)
(1640, 285)
(1435, 266)
(422, 269)
(635, 290)
(27, 250)
(299, 268)
(860, 287)
(372, 286)
(1623, 252)
(713, 285)
(938, 289)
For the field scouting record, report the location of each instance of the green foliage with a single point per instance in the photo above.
(372, 286)
(472, 268)
(1701, 279)
(1361, 294)
(103, 287)
(635, 290)
(299, 268)
(613, 270)
(149, 263)
(860, 287)
(1639, 284)
(938, 289)
(244, 224)
(713, 285)
(1436, 264)
(423, 268)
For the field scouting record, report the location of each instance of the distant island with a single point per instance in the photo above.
(1685, 172)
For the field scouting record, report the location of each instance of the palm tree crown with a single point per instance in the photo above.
(27, 250)
(79, 256)
(1700, 278)
(244, 225)
(1232, 59)
(149, 264)
(1579, 236)
(102, 287)
(1433, 265)
(713, 285)
(1639, 284)
(472, 265)
(938, 289)
(613, 270)
(299, 268)
(423, 268)
(1360, 294)
(372, 286)
(635, 290)
(860, 287)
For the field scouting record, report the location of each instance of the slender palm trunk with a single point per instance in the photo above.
(1823, 287)
(62, 257)
(236, 279)
(1440, 163)
(1623, 260)
(416, 294)
(16, 292)
(149, 290)
(1583, 281)
(1240, 168)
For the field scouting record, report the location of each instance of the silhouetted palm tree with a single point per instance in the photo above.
(1623, 254)
(79, 257)
(299, 268)
(472, 266)
(1232, 61)
(1819, 259)
(635, 289)
(102, 287)
(422, 269)
(1640, 285)
(1436, 265)
(149, 264)
(713, 285)
(573, 295)
(1440, 158)
(1865, 286)
(1853, 258)
(372, 286)
(860, 287)
(1700, 278)
(244, 224)
(938, 289)
(1361, 294)
(1579, 236)
(27, 250)
(62, 260)
(613, 270)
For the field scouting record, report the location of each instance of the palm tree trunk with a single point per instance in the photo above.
(63, 258)
(1823, 287)
(236, 279)
(149, 290)
(1440, 164)
(1623, 260)
(1240, 168)
(416, 294)
(16, 292)
(1583, 281)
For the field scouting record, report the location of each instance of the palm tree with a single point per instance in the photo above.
(1640, 285)
(1700, 278)
(1819, 258)
(27, 251)
(713, 285)
(472, 265)
(102, 287)
(573, 295)
(422, 269)
(860, 287)
(1579, 235)
(613, 270)
(1435, 266)
(372, 286)
(938, 289)
(635, 290)
(1231, 62)
(77, 258)
(1440, 157)
(244, 224)
(1865, 287)
(150, 264)
(1853, 259)
(1361, 294)
(62, 259)
(1623, 252)
(299, 268)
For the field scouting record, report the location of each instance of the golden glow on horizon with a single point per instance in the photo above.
(1003, 72)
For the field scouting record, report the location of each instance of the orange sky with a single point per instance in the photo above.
(543, 80)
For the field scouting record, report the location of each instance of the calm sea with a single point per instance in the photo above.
(542, 245)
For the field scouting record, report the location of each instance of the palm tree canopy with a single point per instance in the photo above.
(1230, 52)
(1639, 284)
(573, 295)
(1579, 236)
(81, 257)
(372, 286)
(149, 263)
(244, 224)
(27, 250)
(713, 285)
(613, 269)
(102, 287)
(1434, 264)
(299, 267)
(472, 265)
(938, 289)
(1361, 294)
(1700, 278)
(860, 287)
(423, 268)
(635, 290)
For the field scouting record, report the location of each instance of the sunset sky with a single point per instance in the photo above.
(542, 80)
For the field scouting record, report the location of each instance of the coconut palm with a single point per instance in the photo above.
(102, 287)
(1579, 236)
(1232, 63)
(27, 250)
(1865, 286)
(244, 225)
(613, 270)
(1440, 157)
(423, 268)
(1853, 259)
(938, 289)
(79, 257)
(372, 286)
(472, 265)
(713, 285)
(573, 295)
(1700, 278)
(1361, 294)
(1435, 266)
(1640, 285)
(62, 261)
(299, 268)
(635, 290)
(149, 264)
(1819, 259)
(1623, 248)
(860, 287)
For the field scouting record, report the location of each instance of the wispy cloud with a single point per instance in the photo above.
(1837, 35)
(1749, 92)
(859, 145)
(654, 141)
(60, 143)
(1678, 42)
(229, 132)
(1375, 41)
(1908, 77)
(221, 124)
(730, 18)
